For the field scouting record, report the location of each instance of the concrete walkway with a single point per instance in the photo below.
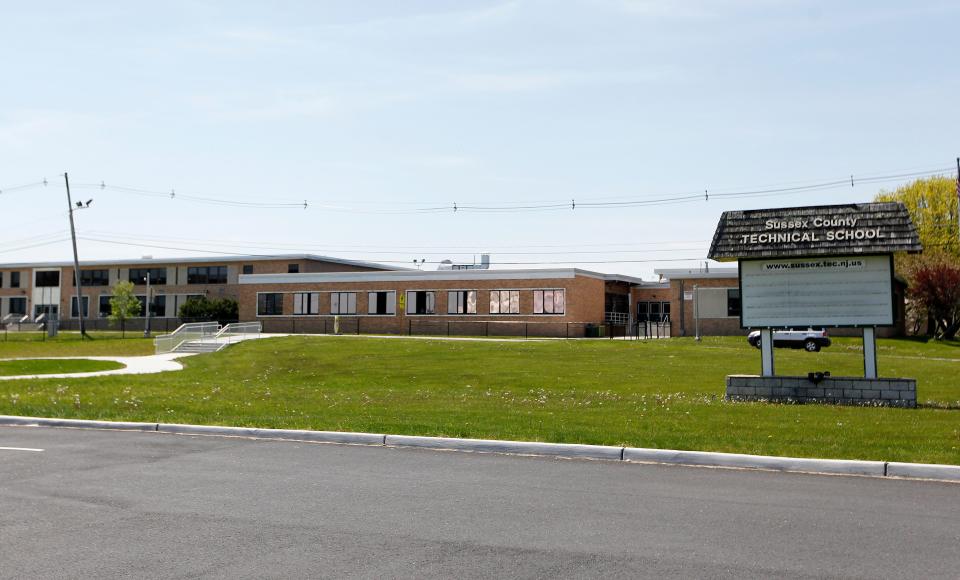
(133, 365)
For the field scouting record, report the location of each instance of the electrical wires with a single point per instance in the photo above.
(539, 206)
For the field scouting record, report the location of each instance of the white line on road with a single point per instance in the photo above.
(19, 449)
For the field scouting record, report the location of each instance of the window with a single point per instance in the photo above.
(47, 279)
(73, 306)
(92, 278)
(462, 302)
(270, 304)
(343, 303)
(293, 268)
(306, 303)
(248, 268)
(157, 309)
(504, 302)
(18, 306)
(15, 280)
(382, 302)
(733, 302)
(1, 279)
(105, 308)
(548, 301)
(207, 275)
(421, 302)
(138, 276)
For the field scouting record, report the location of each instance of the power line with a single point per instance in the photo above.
(513, 263)
(573, 204)
(439, 251)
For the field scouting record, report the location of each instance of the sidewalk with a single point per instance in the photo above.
(133, 365)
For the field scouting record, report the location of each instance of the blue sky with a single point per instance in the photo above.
(369, 110)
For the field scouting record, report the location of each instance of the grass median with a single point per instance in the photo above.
(664, 394)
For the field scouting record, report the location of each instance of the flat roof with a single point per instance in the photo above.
(200, 260)
(699, 273)
(390, 276)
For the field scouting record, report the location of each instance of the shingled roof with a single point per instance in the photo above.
(822, 230)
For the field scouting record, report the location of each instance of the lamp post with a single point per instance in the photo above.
(146, 327)
(76, 259)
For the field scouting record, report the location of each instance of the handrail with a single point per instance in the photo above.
(240, 330)
(185, 332)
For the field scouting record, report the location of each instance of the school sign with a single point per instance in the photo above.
(823, 266)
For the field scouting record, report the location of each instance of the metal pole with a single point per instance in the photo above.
(76, 259)
(146, 327)
(696, 309)
(958, 195)
(766, 352)
(869, 352)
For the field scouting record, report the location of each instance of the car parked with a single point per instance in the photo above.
(810, 339)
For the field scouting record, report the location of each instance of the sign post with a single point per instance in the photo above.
(818, 266)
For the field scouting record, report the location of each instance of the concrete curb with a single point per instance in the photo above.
(286, 434)
(924, 471)
(565, 450)
(76, 423)
(737, 460)
(511, 447)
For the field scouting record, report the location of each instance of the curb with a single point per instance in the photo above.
(511, 447)
(741, 461)
(564, 450)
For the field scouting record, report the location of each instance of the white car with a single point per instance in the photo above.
(810, 340)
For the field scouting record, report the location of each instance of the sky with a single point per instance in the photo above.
(381, 116)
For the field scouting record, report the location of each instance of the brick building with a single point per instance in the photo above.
(32, 289)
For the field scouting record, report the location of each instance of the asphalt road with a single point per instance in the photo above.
(124, 504)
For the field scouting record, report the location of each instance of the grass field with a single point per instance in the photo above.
(35, 344)
(10, 368)
(665, 394)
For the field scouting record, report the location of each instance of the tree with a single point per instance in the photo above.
(932, 204)
(124, 305)
(936, 287)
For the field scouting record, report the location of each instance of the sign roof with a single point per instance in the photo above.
(822, 230)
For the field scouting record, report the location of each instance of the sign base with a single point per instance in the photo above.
(834, 390)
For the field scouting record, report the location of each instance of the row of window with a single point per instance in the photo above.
(138, 276)
(158, 307)
(14, 279)
(413, 302)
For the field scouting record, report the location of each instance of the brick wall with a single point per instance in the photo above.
(838, 390)
(584, 298)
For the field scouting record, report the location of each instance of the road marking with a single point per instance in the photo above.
(19, 449)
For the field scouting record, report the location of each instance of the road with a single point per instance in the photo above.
(125, 504)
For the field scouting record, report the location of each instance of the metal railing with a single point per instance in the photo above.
(237, 331)
(192, 331)
(617, 318)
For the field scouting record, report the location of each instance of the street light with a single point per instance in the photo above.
(76, 260)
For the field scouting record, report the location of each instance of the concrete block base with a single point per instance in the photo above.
(835, 390)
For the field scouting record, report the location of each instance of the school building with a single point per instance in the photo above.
(309, 293)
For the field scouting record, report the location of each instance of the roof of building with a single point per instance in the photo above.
(389, 276)
(697, 273)
(821, 230)
(202, 260)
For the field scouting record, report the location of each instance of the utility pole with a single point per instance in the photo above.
(958, 195)
(146, 328)
(76, 260)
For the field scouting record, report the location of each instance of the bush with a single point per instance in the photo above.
(202, 308)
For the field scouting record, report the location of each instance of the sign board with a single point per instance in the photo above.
(817, 291)
(688, 295)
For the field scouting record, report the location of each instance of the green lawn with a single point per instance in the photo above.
(35, 344)
(10, 368)
(666, 394)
